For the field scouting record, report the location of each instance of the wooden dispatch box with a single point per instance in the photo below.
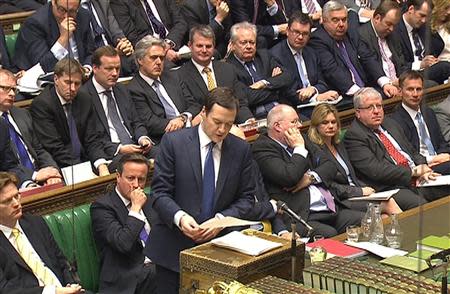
(202, 265)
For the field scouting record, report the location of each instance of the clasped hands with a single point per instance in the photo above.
(191, 229)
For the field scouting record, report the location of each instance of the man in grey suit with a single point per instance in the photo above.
(24, 142)
(442, 111)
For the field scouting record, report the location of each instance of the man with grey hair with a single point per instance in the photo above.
(347, 63)
(160, 100)
(381, 154)
(297, 172)
(267, 82)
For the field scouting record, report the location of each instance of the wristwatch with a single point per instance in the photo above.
(312, 178)
(183, 117)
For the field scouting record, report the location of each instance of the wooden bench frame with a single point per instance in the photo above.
(9, 21)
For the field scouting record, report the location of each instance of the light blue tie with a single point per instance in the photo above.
(168, 109)
(298, 60)
(424, 135)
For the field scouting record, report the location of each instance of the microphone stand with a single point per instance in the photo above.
(294, 247)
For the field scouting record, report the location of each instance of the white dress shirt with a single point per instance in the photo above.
(409, 29)
(156, 14)
(422, 146)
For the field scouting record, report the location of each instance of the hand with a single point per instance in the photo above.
(174, 124)
(316, 15)
(138, 199)
(288, 236)
(276, 71)
(390, 90)
(428, 61)
(258, 85)
(51, 181)
(367, 191)
(19, 74)
(367, 13)
(66, 28)
(130, 148)
(189, 227)
(270, 2)
(45, 173)
(196, 120)
(146, 145)
(282, 28)
(124, 47)
(304, 182)
(294, 138)
(69, 289)
(87, 72)
(103, 170)
(428, 176)
(207, 235)
(306, 93)
(172, 55)
(440, 158)
(420, 170)
(222, 11)
(328, 96)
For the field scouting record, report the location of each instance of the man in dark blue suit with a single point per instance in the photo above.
(59, 29)
(420, 124)
(5, 61)
(200, 174)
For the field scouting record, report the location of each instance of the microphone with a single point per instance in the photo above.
(283, 206)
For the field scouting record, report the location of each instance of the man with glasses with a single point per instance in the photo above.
(59, 29)
(267, 82)
(382, 155)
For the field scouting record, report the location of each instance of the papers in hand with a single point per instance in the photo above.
(28, 83)
(380, 196)
(440, 181)
(250, 245)
(376, 249)
(184, 52)
(226, 222)
(78, 173)
(312, 104)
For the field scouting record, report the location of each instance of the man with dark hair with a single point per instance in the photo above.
(59, 29)
(420, 124)
(420, 47)
(121, 224)
(201, 173)
(64, 121)
(113, 106)
(37, 262)
(202, 74)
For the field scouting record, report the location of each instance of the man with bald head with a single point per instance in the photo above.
(296, 172)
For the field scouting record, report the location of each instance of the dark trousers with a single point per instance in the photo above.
(147, 283)
(167, 281)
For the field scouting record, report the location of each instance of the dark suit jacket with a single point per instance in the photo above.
(117, 237)
(280, 171)
(282, 53)
(409, 129)
(133, 20)
(264, 64)
(150, 108)
(127, 111)
(371, 160)
(113, 32)
(40, 32)
(442, 112)
(8, 160)
(369, 37)
(178, 173)
(45, 246)
(334, 68)
(50, 125)
(5, 61)
(25, 124)
(225, 75)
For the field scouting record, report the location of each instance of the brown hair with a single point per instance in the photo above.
(68, 66)
(132, 157)
(103, 51)
(7, 178)
(222, 96)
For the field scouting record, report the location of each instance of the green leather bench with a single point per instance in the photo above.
(76, 242)
(11, 43)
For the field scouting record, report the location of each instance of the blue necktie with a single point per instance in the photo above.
(298, 58)
(97, 30)
(424, 135)
(74, 140)
(113, 114)
(250, 65)
(290, 150)
(156, 24)
(351, 67)
(209, 185)
(168, 109)
(143, 235)
(24, 158)
(419, 49)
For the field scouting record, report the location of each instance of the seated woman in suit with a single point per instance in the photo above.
(440, 24)
(324, 131)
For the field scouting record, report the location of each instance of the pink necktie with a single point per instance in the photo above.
(328, 198)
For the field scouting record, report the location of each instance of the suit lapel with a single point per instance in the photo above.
(102, 18)
(197, 78)
(59, 112)
(194, 154)
(97, 105)
(170, 86)
(122, 105)
(142, 12)
(11, 252)
(148, 89)
(161, 8)
(225, 163)
(203, 9)
(405, 37)
(26, 137)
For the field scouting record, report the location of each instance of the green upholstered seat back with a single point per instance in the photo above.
(76, 242)
(342, 134)
(11, 43)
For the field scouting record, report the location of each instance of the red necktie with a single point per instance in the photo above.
(393, 152)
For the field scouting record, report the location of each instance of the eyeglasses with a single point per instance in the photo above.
(7, 89)
(63, 10)
(373, 107)
(297, 33)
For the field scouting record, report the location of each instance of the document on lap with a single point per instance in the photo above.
(226, 222)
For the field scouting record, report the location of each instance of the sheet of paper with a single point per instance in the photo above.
(312, 104)
(440, 181)
(28, 83)
(376, 249)
(380, 196)
(250, 245)
(78, 173)
(184, 52)
(226, 222)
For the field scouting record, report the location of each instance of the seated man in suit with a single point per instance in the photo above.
(5, 61)
(295, 171)
(162, 20)
(212, 167)
(59, 29)
(301, 62)
(38, 263)
(215, 13)
(267, 82)
(65, 122)
(202, 74)
(346, 62)
(442, 112)
(160, 100)
(120, 225)
(420, 47)
(381, 154)
(114, 107)
(420, 124)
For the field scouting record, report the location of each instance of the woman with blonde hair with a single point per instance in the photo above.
(440, 24)
(324, 131)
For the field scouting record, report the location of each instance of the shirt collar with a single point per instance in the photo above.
(412, 113)
(409, 28)
(204, 139)
(293, 51)
(149, 80)
(374, 30)
(201, 67)
(61, 99)
(99, 88)
(125, 201)
(7, 231)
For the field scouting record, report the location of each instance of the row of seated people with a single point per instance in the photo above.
(363, 55)
(213, 175)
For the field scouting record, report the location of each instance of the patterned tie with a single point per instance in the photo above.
(37, 266)
(419, 49)
(22, 152)
(351, 67)
(298, 58)
(143, 235)
(209, 185)
(168, 109)
(290, 150)
(328, 198)
(74, 140)
(97, 29)
(424, 135)
(250, 65)
(113, 114)
(392, 151)
(211, 84)
(310, 6)
(383, 50)
(158, 26)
